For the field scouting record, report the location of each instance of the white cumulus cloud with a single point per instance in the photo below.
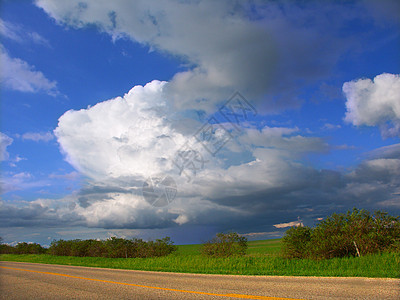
(374, 102)
(124, 136)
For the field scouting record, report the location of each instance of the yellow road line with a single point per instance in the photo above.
(242, 296)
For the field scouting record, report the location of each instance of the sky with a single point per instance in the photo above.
(186, 118)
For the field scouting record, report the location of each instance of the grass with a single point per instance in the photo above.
(262, 259)
(268, 247)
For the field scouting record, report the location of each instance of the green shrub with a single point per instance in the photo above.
(296, 242)
(354, 233)
(225, 244)
(117, 247)
(162, 247)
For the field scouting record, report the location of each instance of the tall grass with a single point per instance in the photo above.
(262, 259)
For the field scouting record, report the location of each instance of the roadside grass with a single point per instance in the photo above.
(262, 259)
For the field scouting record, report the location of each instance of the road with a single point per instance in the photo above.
(40, 281)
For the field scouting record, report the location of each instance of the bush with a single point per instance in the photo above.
(296, 242)
(225, 244)
(117, 247)
(356, 232)
(162, 247)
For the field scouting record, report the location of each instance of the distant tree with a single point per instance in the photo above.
(296, 242)
(95, 248)
(118, 247)
(60, 248)
(163, 247)
(4, 248)
(29, 248)
(225, 244)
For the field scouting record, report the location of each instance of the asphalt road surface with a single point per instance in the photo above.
(40, 281)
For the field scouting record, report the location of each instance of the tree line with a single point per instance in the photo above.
(222, 245)
(112, 247)
(355, 233)
(22, 248)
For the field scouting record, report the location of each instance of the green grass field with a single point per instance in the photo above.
(262, 259)
(268, 247)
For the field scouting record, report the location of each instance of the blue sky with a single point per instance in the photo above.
(98, 98)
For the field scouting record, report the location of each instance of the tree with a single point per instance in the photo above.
(29, 248)
(4, 248)
(296, 242)
(225, 244)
